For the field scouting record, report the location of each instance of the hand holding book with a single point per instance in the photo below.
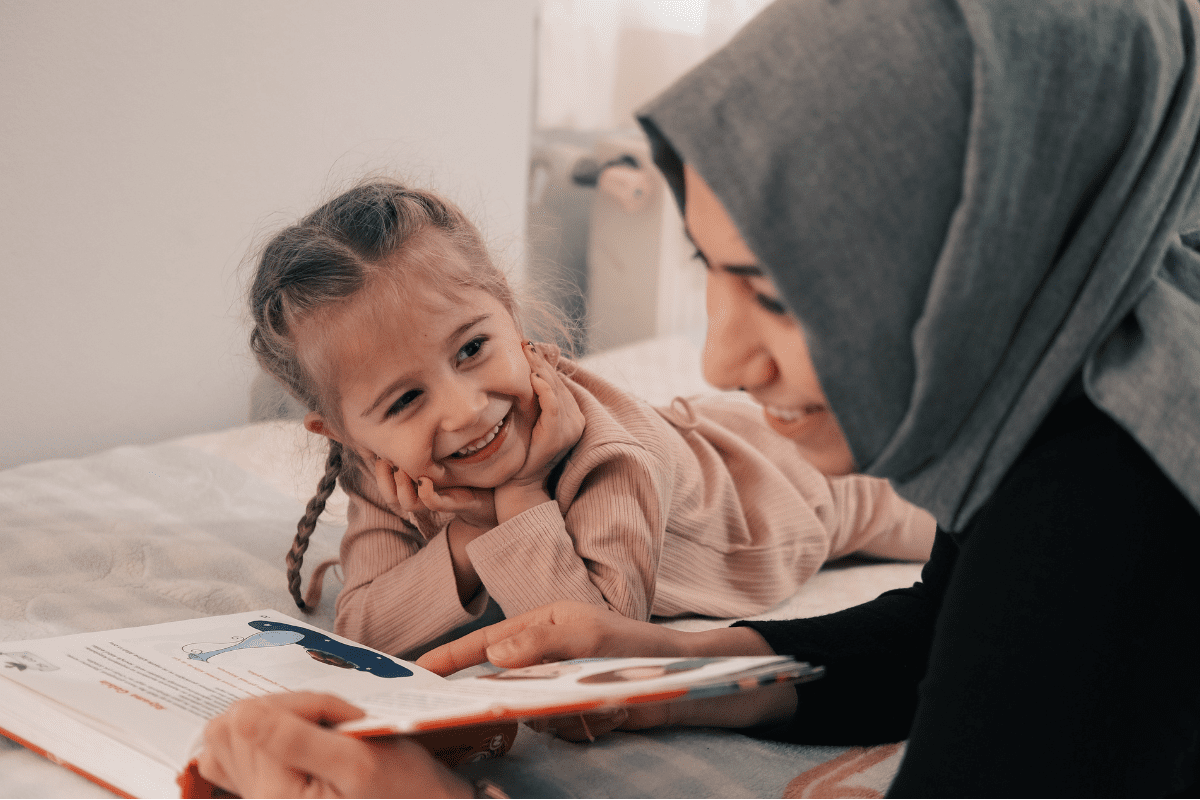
(281, 745)
(270, 746)
(567, 630)
(127, 708)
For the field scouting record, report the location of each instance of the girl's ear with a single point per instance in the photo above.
(315, 423)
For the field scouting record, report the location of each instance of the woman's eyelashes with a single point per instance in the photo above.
(771, 304)
(761, 286)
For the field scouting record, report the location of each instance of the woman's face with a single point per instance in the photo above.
(753, 342)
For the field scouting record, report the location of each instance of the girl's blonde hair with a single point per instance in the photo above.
(376, 235)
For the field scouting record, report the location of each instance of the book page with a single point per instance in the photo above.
(154, 687)
(569, 687)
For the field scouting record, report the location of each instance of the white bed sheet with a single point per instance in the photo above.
(199, 525)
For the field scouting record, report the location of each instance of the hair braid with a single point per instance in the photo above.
(308, 523)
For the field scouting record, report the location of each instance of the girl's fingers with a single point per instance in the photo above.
(560, 422)
(546, 395)
(451, 500)
(475, 506)
(385, 479)
(396, 487)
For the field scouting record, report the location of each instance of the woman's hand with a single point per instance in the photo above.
(566, 630)
(558, 632)
(558, 428)
(280, 746)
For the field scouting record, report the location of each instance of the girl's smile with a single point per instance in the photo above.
(483, 448)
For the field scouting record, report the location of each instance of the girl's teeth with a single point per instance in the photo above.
(479, 444)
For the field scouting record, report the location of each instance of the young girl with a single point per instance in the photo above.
(480, 465)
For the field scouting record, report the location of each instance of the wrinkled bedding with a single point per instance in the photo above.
(198, 526)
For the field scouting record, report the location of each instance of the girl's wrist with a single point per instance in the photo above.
(458, 535)
(513, 499)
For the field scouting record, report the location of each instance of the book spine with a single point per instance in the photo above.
(46, 754)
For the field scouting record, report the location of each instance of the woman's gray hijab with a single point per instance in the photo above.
(967, 204)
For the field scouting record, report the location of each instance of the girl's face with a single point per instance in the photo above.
(436, 386)
(753, 342)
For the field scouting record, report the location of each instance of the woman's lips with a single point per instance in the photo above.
(792, 422)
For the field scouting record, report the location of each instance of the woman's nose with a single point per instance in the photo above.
(735, 355)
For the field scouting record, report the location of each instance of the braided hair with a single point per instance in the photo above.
(379, 230)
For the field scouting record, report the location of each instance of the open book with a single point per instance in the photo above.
(126, 708)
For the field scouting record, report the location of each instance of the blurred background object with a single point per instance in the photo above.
(149, 144)
(605, 240)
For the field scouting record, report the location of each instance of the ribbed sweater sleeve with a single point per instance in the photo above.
(874, 655)
(400, 591)
(869, 517)
(530, 561)
(604, 551)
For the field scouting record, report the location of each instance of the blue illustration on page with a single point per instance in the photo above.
(319, 646)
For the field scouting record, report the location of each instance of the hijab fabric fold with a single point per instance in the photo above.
(969, 205)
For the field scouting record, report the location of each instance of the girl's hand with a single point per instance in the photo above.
(280, 746)
(474, 511)
(403, 495)
(475, 507)
(567, 630)
(558, 428)
(398, 489)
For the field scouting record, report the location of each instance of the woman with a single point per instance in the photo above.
(950, 244)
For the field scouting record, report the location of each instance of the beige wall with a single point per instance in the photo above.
(145, 145)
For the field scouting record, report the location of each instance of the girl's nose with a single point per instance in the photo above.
(735, 353)
(462, 404)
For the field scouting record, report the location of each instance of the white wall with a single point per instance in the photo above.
(146, 145)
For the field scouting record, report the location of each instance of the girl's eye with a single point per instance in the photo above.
(402, 403)
(698, 256)
(471, 349)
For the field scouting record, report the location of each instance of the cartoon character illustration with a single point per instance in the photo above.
(23, 660)
(537, 671)
(319, 646)
(645, 673)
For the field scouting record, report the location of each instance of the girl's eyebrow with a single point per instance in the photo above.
(403, 379)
